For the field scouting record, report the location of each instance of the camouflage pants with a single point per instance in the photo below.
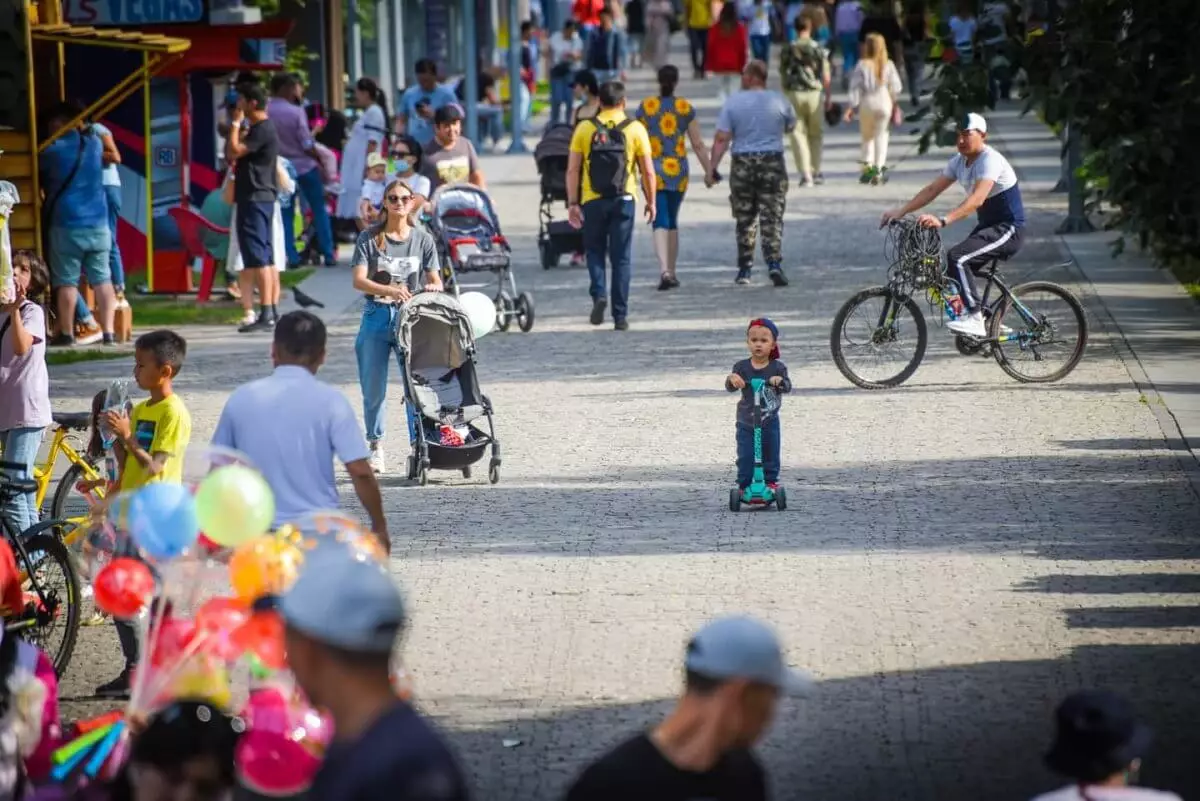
(758, 184)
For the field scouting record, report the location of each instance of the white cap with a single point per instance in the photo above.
(973, 122)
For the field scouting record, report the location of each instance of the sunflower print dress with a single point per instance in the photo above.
(667, 120)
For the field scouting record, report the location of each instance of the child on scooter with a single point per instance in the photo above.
(762, 336)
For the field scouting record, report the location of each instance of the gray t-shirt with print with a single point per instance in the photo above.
(405, 260)
(449, 165)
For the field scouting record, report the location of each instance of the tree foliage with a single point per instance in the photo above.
(1125, 74)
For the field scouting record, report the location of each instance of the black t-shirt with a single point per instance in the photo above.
(399, 758)
(255, 178)
(635, 16)
(637, 771)
(887, 26)
(486, 82)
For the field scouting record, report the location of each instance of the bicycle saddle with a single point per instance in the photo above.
(76, 421)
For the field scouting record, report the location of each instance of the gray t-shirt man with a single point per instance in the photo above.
(406, 261)
(756, 119)
(452, 164)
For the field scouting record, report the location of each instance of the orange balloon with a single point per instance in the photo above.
(263, 566)
(262, 635)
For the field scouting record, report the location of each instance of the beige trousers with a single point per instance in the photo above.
(809, 133)
(875, 129)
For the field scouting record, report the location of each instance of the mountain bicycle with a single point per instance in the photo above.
(1023, 336)
(50, 585)
(68, 505)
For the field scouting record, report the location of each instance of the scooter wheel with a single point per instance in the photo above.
(735, 500)
(780, 499)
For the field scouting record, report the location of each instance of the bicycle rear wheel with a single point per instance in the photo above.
(51, 616)
(869, 325)
(70, 505)
(1048, 333)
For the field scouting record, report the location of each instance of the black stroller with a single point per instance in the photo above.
(437, 365)
(555, 237)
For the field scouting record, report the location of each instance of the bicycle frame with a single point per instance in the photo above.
(25, 565)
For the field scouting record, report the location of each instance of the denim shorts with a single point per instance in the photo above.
(666, 205)
(76, 251)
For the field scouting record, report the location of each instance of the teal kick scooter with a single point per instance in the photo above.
(758, 493)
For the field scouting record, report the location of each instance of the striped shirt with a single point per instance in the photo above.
(757, 119)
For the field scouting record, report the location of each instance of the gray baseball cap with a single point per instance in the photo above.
(346, 600)
(744, 648)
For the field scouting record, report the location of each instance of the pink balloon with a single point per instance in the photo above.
(272, 765)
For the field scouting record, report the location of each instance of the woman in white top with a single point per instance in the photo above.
(874, 87)
(1099, 745)
(368, 136)
(233, 261)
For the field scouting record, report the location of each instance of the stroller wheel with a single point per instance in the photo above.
(548, 254)
(466, 472)
(423, 476)
(504, 311)
(410, 467)
(494, 474)
(524, 309)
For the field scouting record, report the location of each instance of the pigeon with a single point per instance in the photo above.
(305, 301)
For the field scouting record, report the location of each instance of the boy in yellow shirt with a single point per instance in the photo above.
(149, 444)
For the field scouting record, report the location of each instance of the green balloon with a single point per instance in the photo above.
(234, 504)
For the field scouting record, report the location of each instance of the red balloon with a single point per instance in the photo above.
(217, 621)
(262, 635)
(123, 587)
(174, 636)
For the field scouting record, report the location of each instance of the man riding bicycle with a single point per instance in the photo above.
(993, 193)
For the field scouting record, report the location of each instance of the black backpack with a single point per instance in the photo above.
(608, 162)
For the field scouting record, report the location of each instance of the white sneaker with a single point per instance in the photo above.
(248, 318)
(970, 325)
(378, 461)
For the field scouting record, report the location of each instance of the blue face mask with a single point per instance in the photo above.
(403, 163)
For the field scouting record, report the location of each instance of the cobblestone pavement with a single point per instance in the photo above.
(958, 554)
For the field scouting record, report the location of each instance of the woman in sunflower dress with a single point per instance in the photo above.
(671, 122)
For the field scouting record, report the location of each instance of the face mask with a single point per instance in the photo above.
(403, 164)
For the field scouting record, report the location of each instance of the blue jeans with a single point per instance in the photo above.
(760, 47)
(312, 188)
(770, 452)
(374, 348)
(112, 194)
(21, 447)
(849, 45)
(82, 313)
(491, 122)
(561, 99)
(608, 232)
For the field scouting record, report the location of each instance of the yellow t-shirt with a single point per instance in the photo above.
(163, 427)
(637, 144)
(700, 14)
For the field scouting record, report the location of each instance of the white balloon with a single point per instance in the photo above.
(481, 310)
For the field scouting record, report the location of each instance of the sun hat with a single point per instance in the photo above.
(347, 600)
(742, 647)
(376, 160)
(1096, 736)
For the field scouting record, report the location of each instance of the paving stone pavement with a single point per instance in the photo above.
(957, 555)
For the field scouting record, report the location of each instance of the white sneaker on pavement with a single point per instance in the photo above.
(970, 325)
(378, 461)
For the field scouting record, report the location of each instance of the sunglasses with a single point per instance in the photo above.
(397, 198)
(401, 154)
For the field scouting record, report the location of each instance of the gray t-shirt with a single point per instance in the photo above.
(449, 165)
(405, 260)
(757, 119)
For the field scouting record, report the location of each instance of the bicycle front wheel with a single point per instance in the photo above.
(50, 619)
(1040, 333)
(878, 339)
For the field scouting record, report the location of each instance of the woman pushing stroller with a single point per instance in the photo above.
(392, 261)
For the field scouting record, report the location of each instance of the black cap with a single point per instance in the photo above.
(451, 112)
(1096, 736)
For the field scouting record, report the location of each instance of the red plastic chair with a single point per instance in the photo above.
(190, 224)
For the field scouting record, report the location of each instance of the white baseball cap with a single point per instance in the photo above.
(973, 122)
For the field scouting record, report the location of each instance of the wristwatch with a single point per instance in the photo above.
(942, 220)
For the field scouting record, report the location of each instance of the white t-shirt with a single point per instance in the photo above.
(1071, 793)
(418, 183)
(372, 192)
(995, 22)
(758, 15)
(110, 175)
(1003, 203)
(564, 49)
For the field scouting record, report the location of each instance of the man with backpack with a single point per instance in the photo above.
(601, 191)
(606, 50)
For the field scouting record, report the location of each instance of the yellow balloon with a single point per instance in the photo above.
(204, 678)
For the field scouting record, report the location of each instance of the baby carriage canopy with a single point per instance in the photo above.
(555, 144)
(434, 331)
(463, 200)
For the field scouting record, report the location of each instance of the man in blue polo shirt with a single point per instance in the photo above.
(343, 618)
(420, 101)
(72, 172)
(993, 195)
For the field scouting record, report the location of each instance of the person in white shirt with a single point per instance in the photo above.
(874, 89)
(565, 54)
(370, 199)
(963, 27)
(1099, 745)
(757, 15)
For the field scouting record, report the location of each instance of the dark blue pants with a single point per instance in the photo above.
(770, 452)
(608, 234)
(760, 47)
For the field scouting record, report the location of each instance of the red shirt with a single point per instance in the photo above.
(587, 12)
(727, 52)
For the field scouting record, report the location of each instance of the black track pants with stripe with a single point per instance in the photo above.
(985, 243)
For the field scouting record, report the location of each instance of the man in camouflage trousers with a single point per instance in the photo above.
(752, 125)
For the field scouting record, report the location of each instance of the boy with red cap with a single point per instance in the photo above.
(762, 337)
